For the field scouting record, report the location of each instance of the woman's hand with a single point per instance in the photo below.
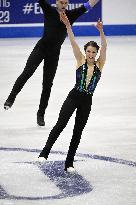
(99, 26)
(64, 19)
(102, 58)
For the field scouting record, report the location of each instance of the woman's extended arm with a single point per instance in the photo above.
(102, 58)
(76, 50)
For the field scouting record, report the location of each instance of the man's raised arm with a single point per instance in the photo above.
(44, 5)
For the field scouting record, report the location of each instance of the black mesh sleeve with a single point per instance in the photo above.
(45, 5)
(75, 13)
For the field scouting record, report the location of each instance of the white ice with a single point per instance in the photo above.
(110, 131)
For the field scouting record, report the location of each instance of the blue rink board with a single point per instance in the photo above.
(17, 32)
(23, 19)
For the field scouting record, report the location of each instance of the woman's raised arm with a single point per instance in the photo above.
(76, 50)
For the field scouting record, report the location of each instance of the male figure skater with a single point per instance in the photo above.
(47, 49)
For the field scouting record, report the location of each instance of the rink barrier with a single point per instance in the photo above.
(32, 31)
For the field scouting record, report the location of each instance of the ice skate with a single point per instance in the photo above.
(40, 120)
(41, 160)
(70, 170)
(8, 104)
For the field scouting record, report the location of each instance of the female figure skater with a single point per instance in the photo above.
(88, 73)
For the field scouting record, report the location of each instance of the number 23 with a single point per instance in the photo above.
(4, 16)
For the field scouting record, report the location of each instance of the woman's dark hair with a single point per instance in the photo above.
(93, 44)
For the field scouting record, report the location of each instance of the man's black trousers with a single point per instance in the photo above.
(51, 57)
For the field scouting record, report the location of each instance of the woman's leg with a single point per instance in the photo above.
(33, 62)
(81, 118)
(66, 112)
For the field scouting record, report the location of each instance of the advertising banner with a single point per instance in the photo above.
(29, 12)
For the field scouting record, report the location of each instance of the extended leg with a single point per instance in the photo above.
(82, 115)
(33, 62)
(49, 70)
(65, 113)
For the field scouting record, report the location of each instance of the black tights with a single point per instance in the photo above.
(82, 114)
(50, 65)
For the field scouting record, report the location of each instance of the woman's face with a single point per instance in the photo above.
(91, 53)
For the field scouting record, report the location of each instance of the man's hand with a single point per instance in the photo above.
(93, 2)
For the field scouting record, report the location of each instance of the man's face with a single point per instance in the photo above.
(61, 4)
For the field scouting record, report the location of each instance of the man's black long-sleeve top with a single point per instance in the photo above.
(54, 30)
